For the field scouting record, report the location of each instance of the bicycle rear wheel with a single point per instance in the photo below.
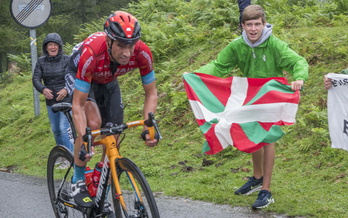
(134, 207)
(59, 174)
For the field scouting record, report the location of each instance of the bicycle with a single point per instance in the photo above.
(131, 193)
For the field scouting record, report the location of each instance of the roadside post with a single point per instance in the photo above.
(32, 14)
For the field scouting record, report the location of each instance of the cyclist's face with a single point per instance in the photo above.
(52, 48)
(253, 29)
(121, 52)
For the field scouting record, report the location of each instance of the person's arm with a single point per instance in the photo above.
(37, 77)
(145, 65)
(224, 63)
(150, 105)
(80, 122)
(70, 82)
(344, 71)
(292, 62)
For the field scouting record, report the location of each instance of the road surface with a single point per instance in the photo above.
(26, 196)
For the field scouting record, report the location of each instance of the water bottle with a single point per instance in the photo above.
(96, 173)
(89, 182)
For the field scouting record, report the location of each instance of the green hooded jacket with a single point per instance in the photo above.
(266, 58)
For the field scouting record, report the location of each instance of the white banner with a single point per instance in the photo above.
(337, 109)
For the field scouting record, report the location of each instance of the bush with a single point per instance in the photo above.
(23, 61)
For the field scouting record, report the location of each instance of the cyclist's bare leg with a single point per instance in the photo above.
(93, 115)
(117, 137)
(93, 120)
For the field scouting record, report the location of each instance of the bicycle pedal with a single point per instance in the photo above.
(61, 208)
(65, 195)
(108, 211)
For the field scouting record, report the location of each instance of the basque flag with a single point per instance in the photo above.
(244, 112)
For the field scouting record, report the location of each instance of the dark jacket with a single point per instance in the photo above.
(51, 70)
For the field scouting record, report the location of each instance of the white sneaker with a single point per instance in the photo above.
(64, 165)
(59, 161)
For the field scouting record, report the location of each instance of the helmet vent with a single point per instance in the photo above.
(122, 25)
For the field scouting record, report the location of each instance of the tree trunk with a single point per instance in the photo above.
(3, 63)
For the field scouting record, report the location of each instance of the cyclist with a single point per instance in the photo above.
(97, 101)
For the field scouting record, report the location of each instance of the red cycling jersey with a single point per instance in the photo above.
(92, 60)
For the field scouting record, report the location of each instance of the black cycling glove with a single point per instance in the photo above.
(147, 132)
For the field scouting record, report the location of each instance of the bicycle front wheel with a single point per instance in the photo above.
(59, 174)
(137, 203)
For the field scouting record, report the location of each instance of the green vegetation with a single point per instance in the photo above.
(309, 179)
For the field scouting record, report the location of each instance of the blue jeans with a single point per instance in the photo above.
(61, 129)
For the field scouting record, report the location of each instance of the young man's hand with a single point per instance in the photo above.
(296, 85)
(327, 83)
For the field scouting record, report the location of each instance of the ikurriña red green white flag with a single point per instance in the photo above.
(244, 112)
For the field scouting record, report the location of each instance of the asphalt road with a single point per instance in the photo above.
(25, 196)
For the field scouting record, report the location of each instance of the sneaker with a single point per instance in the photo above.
(81, 195)
(250, 186)
(64, 165)
(59, 161)
(263, 200)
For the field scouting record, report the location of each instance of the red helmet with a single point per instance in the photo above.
(123, 26)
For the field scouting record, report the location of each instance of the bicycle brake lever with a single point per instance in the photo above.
(83, 152)
(88, 138)
(152, 118)
(157, 129)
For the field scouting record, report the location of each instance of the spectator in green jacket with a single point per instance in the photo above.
(327, 81)
(259, 54)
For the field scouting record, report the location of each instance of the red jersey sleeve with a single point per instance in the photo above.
(87, 65)
(145, 63)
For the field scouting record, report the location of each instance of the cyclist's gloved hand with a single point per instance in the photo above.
(83, 154)
(146, 137)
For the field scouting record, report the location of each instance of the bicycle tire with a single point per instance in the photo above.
(147, 209)
(55, 175)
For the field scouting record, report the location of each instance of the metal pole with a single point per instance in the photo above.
(33, 64)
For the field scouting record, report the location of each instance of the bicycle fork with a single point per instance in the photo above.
(113, 154)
